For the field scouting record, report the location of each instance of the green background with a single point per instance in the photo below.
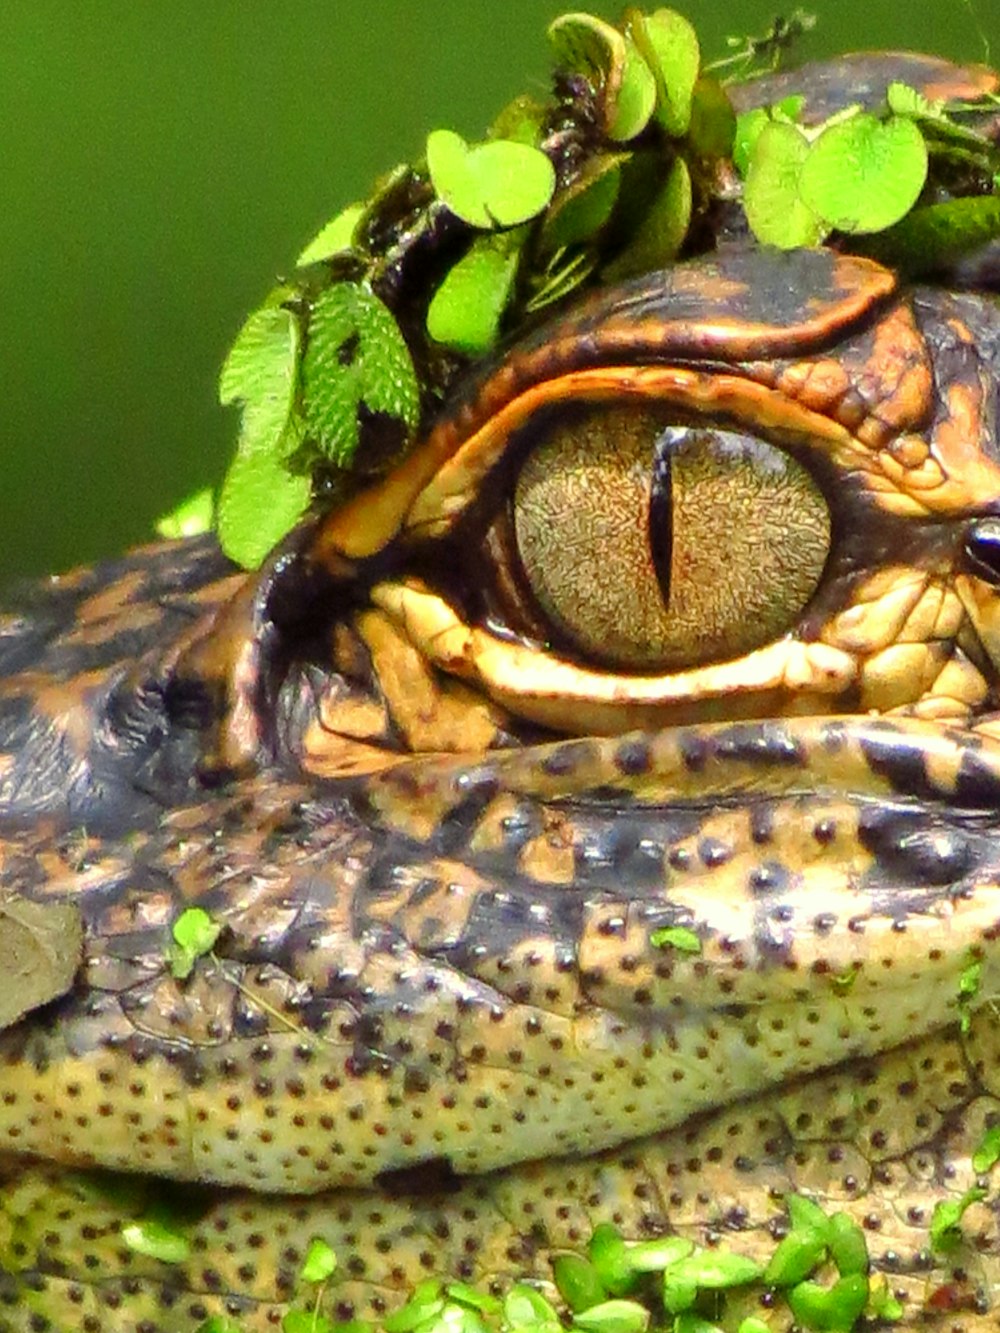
(162, 160)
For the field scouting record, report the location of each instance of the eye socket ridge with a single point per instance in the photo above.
(642, 541)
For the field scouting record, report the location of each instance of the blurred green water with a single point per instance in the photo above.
(162, 159)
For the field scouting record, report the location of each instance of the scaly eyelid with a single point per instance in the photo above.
(458, 483)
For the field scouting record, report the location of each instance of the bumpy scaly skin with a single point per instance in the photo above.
(447, 957)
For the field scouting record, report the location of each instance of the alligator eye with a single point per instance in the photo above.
(653, 546)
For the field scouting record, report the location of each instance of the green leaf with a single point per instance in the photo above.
(862, 174)
(669, 45)
(715, 1270)
(470, 1296)
(807, 1217)
(751, 1324)
(689, 1322)
(947, 1217)
(305, 1321)
(776, 213)
(789, 108)
(193, 935)
(524, 1306)
(931, 238)
(319, 1263)
(581, 210)
(156, 1240)
(577, 1281)
(334, 238)
(970, 980)
(903, 100)
(614, 65)
(678, 1294)
(882, 1304)
(848, 1247)
(749, 127)
(190, 518)
(653, 1256)
(713, 120)
(522, 120)
(795, 1257)
(609, 1255)
(356, 360)
(260, 501)
(259, 372)
(843, 982)
(829, 1309)
(987, 1154)
(496, 184)
(616, 1316)
(676, 937)
(657, 240)
(467, 308)
(425, 1303)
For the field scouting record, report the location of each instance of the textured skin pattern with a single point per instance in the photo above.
(439, 883)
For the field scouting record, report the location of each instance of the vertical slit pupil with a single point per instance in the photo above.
(661, 516)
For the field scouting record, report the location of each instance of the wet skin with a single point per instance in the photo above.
(440, 822)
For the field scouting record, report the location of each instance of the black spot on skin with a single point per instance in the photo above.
(977, 782)
(633, 758)
(559, 763)
(824, 831)
(769, 877)
(833, 738)
(762, 824)
(713, 852)
(900, 759)
(764, 743)
(460, 822)
(695, 750)
(916, 847)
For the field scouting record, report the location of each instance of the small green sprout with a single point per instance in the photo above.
(157, 1239)
(669, 45)
(613, 1316)
(261, 498)
(832, 1309)
(577, 1281)
(969, 982)
(882, 1303)
(848, 1247)
(319, 1263)
(305, 1321)
(614, 64)
(987, 1154)
(946, 1220)
(843, 982)
(609, 1255)
(193, 516)
(356, 361)
(425, 1304)
(526, 1308)
(863, 174)
(467, 308)
(194, 934)
(715, 1270)
(680, 938)
(496, 184)
(333, 239)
